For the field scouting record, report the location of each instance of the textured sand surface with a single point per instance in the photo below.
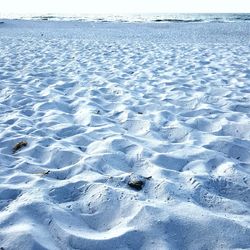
(101, 104)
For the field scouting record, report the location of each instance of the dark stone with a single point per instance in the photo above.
(136, 184)
(19, 146)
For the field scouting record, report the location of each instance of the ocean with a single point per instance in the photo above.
(150, 17)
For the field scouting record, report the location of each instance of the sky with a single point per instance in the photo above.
(121, 6)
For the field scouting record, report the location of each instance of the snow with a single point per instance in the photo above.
(104, 104)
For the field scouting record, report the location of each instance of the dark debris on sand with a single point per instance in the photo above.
(137, 182)
(19, 146)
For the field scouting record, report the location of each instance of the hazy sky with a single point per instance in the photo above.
(121, 6)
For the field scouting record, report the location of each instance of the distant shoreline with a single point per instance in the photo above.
(148, 18)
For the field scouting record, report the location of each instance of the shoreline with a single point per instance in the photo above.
(168, 33)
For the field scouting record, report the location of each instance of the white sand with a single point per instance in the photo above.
(99, 104)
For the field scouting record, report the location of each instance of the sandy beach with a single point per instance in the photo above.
(124, 135)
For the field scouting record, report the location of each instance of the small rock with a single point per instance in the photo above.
(136, 184)
(19, 146)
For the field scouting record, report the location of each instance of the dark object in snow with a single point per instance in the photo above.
(19, 146)
(1, 22)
